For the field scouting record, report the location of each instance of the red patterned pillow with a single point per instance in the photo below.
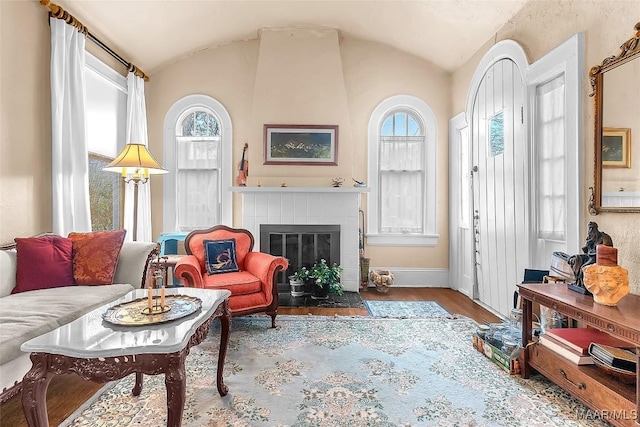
(95, 256)
(42, 263)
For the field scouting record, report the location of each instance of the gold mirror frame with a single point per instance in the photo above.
(629, 51)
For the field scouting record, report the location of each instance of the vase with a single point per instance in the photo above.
(297, 287)
(606, 280)
(320, 292)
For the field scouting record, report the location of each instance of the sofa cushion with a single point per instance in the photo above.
(29, 314)
(132, 261)
(43, 262)
(8, 266)
(95, 256)
(220, 256)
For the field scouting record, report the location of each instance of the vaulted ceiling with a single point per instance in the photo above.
(153, 33)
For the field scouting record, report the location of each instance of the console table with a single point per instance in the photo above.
(607, 398)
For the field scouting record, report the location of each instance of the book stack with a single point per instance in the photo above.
(573, 343)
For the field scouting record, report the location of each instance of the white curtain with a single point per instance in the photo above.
(401, 184)
(137, 132)
(69, 156)
(551, 146)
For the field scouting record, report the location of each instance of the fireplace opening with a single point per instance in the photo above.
(302, 245)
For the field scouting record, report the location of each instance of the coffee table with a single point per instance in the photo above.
(101, 351)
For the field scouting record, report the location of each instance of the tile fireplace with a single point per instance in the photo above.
(312, 206)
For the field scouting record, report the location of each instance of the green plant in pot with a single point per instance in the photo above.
(326, 279)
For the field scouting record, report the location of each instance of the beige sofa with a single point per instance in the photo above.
(29, 314)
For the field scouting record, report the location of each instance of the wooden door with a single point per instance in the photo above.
(500, 185)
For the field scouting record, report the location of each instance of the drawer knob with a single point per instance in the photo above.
(580, 386)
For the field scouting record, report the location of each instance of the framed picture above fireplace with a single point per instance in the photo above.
(301, 145)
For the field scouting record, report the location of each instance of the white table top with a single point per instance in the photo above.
(90, 336)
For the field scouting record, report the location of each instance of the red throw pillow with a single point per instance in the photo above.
(95, 256)
(43, 262)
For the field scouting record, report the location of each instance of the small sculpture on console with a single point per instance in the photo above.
(595, 237)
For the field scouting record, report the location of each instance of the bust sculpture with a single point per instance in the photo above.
(577, 262)
(606, 280)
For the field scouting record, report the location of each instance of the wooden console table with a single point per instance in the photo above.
(609, 399)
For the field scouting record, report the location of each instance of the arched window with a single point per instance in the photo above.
(197, 153)
(402, 148)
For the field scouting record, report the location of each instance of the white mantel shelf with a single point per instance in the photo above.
(300, 189)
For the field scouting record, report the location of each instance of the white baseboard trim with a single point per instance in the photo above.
(417, 277)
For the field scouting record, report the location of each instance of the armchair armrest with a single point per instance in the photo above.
(188, 269)
(265, 267)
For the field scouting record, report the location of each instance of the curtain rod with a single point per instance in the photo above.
(59, 13)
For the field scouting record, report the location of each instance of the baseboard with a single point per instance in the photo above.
(418, 277)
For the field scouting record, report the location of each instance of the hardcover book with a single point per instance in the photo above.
(619, 358)
(579, 339)
(564, 351)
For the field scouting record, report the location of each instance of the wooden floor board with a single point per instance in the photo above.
(67, 392)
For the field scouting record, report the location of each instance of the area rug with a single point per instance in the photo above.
(405, 309)
(343, 371)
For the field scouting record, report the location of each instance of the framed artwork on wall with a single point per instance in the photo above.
(301, 145)
(616, 148)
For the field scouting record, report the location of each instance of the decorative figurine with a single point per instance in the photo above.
(606, 280)
(337, 182)
(588, 257)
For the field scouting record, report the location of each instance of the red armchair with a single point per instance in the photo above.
(254, 288)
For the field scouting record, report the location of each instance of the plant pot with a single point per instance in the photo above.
(320, 292)
(297, 287)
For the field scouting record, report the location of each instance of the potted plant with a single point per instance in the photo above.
(325, 279)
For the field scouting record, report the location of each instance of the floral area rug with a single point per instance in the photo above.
(342, 371)
(405, 309)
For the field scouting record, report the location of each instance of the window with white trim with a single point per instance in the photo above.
(198, 169)
(402, 159)
(197, 152)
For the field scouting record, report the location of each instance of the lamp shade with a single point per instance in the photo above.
(135, 158)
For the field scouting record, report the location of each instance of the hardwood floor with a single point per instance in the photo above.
(67, 392)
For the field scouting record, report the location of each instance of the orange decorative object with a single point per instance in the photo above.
(243, 169)
(606, 280)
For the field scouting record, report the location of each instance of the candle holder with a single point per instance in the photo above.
(156, 303)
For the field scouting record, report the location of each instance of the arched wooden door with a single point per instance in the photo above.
(500, 185)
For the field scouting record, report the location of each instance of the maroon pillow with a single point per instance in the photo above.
(43, 262)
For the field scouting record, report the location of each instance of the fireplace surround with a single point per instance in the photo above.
(313, 206)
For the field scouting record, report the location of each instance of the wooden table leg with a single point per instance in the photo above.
(176, 382)
(34, 391)
(527, 336)
(225, 322)
(137, 387)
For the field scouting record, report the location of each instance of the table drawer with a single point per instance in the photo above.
(615, 401)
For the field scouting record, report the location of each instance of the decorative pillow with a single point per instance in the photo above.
(220, 256)
(95, 256)
(43, 262)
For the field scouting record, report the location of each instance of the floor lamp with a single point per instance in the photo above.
(135, 163)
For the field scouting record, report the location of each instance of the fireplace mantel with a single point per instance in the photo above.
(309, 206)
(300, 189)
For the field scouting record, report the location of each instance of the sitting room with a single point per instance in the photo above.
(408, 161)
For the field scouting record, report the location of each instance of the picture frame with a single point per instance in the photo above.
(301, 145)
(616, 147)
